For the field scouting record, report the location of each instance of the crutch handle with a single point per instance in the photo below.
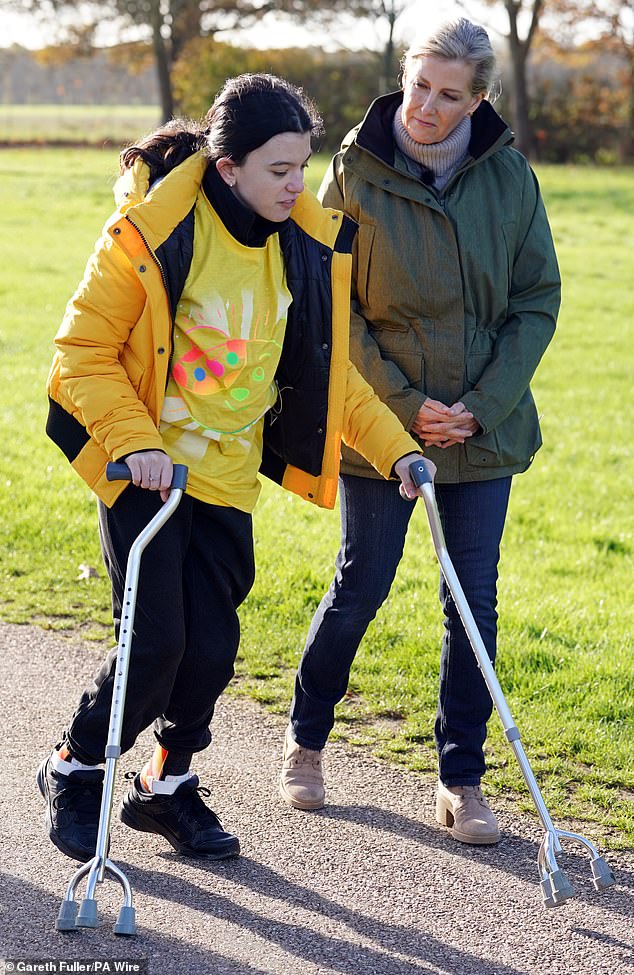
(419, 473)
(120, 471)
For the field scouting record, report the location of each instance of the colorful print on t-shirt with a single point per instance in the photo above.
(228, 339)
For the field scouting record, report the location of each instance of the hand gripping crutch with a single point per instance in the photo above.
(71, 916)
(555, 886)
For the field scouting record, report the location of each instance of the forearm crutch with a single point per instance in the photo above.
(555, 886)
(71, 916)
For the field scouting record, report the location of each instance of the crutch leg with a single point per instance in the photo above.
(554, 884)
(71, 916)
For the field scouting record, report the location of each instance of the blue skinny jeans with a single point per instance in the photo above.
(374, 522)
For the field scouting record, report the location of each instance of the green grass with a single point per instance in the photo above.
(97, 125)
(565, 659)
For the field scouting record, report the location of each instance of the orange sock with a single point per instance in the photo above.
(154, 768)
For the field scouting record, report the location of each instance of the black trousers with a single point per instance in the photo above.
(194, 574)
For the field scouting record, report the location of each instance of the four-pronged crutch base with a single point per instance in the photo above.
(72, 916)
(554, 883)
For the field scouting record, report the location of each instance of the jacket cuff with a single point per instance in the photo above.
(473, 402)
(393, 474)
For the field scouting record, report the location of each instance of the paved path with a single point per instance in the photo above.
(367, 886)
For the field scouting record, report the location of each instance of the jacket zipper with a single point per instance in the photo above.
(167, 295)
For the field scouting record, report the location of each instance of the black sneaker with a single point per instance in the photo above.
(182, 818)
(74, 803)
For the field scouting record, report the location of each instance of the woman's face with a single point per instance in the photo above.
(271, 177)
(436, 97)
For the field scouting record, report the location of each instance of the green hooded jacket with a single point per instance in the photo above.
(455, 294)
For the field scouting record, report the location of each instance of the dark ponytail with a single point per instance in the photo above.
(166, 147)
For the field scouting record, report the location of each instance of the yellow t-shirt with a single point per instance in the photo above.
(228, 339)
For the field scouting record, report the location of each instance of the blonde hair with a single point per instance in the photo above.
(458, 40)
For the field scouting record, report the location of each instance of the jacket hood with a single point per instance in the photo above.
(132, 185)
(489, 132)
(171, 197)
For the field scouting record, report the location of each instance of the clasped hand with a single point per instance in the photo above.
(442, 426)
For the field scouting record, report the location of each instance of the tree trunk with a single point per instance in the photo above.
(163, 66)
(519, 55)
(629, 136)
(523, 134)
(388, 82)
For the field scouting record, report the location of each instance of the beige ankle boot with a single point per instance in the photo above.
(466, 812)
(302, 780)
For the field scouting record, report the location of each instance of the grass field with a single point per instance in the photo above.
(94, 124)
(565, 658)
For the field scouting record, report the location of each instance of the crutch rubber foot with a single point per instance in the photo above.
(602, 876)
(556, 889)
(126, 922)
(67, 915)
(88, 917)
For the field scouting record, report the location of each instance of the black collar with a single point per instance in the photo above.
(375, 132)
(244, 224)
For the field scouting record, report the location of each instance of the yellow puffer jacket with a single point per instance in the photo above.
(107, 381)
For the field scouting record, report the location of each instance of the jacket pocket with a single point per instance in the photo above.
(512, 444)
(296, 432)
(365, 240)
(509, 231)
(474, 367)
(401, 345)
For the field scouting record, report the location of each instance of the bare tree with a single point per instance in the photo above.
(389, 12)
(523, 20)
(168, 24)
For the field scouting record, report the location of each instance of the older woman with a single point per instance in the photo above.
(455, 296)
